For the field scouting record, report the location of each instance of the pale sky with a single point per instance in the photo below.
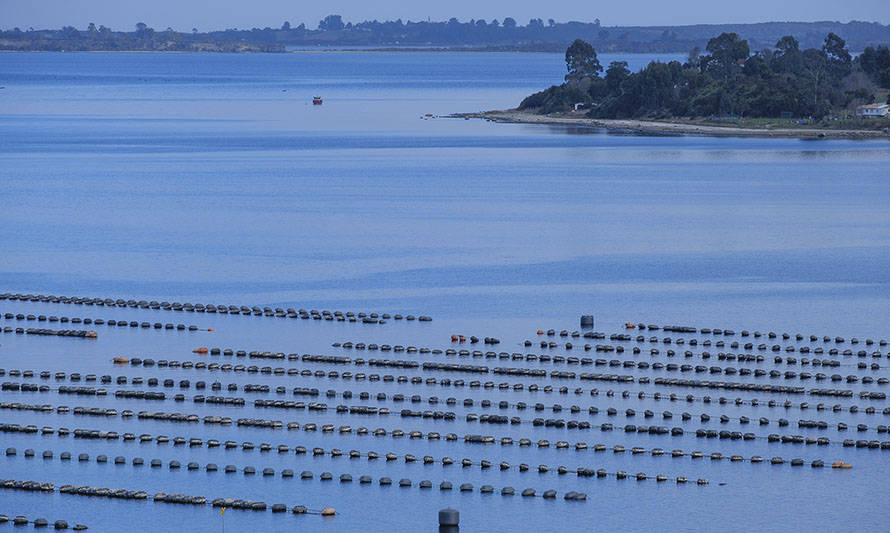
(183, 15)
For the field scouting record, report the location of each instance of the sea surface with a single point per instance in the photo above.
(213, 179)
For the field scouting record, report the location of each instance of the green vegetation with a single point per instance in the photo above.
(727, 82)
(144, 38)
(474, 34)
(876, 63)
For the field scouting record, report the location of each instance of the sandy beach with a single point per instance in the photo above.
(671, 127)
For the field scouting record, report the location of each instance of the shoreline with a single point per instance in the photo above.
(656, 127)
(314, 50)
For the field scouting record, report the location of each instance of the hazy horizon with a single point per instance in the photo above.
(206, 15)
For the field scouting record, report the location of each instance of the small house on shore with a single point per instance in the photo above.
(873, 110)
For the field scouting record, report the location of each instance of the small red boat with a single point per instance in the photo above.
(316, 100)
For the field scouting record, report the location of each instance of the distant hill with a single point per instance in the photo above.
(506, 34)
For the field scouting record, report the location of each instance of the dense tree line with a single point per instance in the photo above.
(504, 34)
(144, 38)
(725, 80)
(876, 63)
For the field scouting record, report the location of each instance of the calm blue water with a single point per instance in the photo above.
(212, 178)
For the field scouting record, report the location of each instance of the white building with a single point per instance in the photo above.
(873, 110)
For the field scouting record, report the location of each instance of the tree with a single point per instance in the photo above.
(835, 49)
(727, 50)
(615, 76)
(581, 61)
(536, 24)
(868, 60)
(788, 57)
(755, 66)
(143, 31)
(70, 32)
(331, 23)
(694, 57)
(815, 70)
(286, 26)
(883, 57)
(92, 29)
(876, 63)
(509, 22)
(839, 59)
(787, 44)
(729, 81)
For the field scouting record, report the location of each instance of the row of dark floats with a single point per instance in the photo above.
(90, 321)
(484, 464)
(427, 380)
(684, 367)
(278, 312)
(415, 379)
(257, 311)
(399, 398)
(726, 333)
(160, 497)
(78, 333)
(22, 520)
(559, 423)
(250, 505)
(555, 374)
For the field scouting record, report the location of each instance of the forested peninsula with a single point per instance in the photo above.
(506, 34)
(726, 85)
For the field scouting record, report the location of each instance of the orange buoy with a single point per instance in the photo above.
(454, 338)
(91, 335)
(202, 349)
(540, 332)
(328, 511)
(209, 329)
(630, 325)
(120, 360)
(841, 464)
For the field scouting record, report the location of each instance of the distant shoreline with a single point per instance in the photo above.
(317, 50)
(671, 127)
